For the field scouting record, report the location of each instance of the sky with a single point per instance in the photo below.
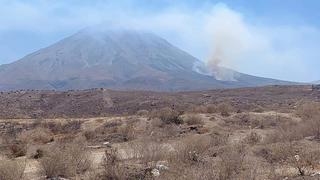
(269, 38)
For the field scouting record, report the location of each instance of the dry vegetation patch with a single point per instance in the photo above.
(12, 170)
(249, 143)
(66, 160)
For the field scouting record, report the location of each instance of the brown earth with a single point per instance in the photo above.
(103, 102)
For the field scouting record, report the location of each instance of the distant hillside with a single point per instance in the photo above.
(102, 102)
(115, 59)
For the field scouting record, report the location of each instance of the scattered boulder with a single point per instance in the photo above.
(155, 172)
(107, 144)
(162, 165)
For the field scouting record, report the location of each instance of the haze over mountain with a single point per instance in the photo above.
(116, 59)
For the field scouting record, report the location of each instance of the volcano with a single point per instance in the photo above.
(117, 59)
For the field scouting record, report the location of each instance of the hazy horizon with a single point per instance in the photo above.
(271, 39)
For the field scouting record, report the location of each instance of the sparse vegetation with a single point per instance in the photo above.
(66, 160)
(12, 170)
(18, 149)
(37, 135)
(213, 140)
(232, 162)
(168, 116)
(253, 138)
(224, 109)
(193, 120)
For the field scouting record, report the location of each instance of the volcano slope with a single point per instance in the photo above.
(116, 59)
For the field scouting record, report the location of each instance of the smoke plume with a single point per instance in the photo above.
(231, 42)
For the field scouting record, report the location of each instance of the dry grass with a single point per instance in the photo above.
(242, 145)
(11, 170)
(192, 149)
(259, 121)
(17, 149)
(277, 153)
(193, 119)
(232, 162)
(253, 138)
(111, 166)
(142, 112)
(294, 131)
(71, 126)
(66, 160)
(114, 131)
(308, 110)
(168, 116)
(224, 109)
(37, 135)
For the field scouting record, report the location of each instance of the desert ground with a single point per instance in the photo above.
(249, 133)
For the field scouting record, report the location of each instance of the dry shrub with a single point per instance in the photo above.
(219, 138)
(224, 109)
(211, 108)
(305, 160)
(198, 109)
(38, 135)
(111, 166)
(112, 124)
(38, 154)
(17, 149)
(258, 109)
(277, 152)
(71, 126)
(168, 116)
(112, 131)
(192, 149)
(242, 119)
(89, 134)
(159, 131)
(36, 123)
(310, 113)
(142, 112)
(152, 152)
(66, 160)
(11, 170)
(253, 138)
(314, 128)
(296, 131)
(232, 162)
(12, 130)
(54, 164)
(127, 131)
(257, 121)
(148, 152)
(114, 169)
(193, 119)
(199, 171)
(285, 134)
(308, 110)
